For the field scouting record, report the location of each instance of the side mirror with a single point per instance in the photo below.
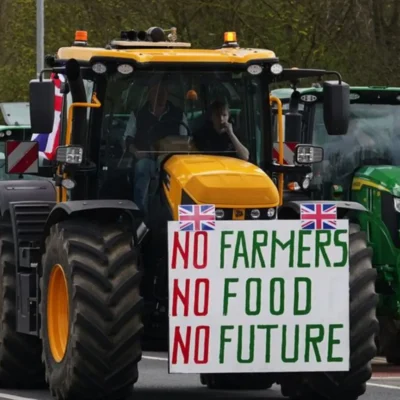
(305, 154)
(41, 105)
(336, 107)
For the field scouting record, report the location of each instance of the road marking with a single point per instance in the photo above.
(155, 358)
(382, 378)
(383, 386)
(13, 397)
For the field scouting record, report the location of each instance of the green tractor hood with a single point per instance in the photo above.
(382, 177)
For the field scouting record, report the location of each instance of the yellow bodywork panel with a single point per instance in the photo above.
(358, 183)
(224, 181)
(226, 55)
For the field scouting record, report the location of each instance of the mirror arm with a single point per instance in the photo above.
(51, 70)
(294, 101)
(336, 74)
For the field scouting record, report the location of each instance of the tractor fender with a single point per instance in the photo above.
(40, 190)
(292, 208)
(67, 209)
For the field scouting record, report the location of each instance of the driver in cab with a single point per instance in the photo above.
(157, 119)
(217, 134)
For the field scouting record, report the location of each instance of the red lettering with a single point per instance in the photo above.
(204, 251)
(184, 252)
(183, 346)
(201, 344)
(205, 296)
(183, 297)
(205, 345)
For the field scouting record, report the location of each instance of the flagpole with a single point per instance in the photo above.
(39, 36)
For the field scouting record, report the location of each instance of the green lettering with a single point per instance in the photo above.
(268, 329)
(281, 294)
(320, 247)
(276, 242)
(332, 341)
(240, 358)
(295, 357)
(313, 340)
(256, 255)
(343, 244)
(223, 340)
(224, 246)
(227, 293)
(241, 250)
(250, 295)
(303, 248)
(307, 307)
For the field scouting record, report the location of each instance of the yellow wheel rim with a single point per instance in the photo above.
(58, 313)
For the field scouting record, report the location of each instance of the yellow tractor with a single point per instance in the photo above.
(83, 261)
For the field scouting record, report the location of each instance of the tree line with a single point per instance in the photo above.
(359, 38)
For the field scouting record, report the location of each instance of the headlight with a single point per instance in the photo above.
(396, 203)
(68, 183)
(306, 182)
(276, 69)
(219, 213)
(69, 154)
(255, 213)
(307, 154)
(271, 212)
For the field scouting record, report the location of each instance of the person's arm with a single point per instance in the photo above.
(241, 150)
(182, 128)
(130, 129)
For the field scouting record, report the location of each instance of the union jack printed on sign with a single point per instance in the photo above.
(318, 216)
(196, 217)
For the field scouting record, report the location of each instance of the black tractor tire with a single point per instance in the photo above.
(20, 354)
(237, 381)
(364, 327)
(389, 339)
(100, 265)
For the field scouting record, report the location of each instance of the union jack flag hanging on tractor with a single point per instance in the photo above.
(196, 217)
(318, 216)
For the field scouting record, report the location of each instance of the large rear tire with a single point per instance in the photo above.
(363, 329)
(91, 311)
(20, 354)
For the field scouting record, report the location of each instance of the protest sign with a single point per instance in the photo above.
(258, 296)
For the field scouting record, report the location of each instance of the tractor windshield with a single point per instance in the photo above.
(151, 114)
(373, 136)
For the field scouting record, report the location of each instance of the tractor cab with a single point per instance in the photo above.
(153, 100)
(372, 139)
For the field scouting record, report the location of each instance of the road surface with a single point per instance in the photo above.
(155, 383)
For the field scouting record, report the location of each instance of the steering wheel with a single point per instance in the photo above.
(164, 134)
(156, 140)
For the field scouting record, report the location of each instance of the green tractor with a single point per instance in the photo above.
(362, 166)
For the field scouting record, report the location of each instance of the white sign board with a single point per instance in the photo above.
(258, 296)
